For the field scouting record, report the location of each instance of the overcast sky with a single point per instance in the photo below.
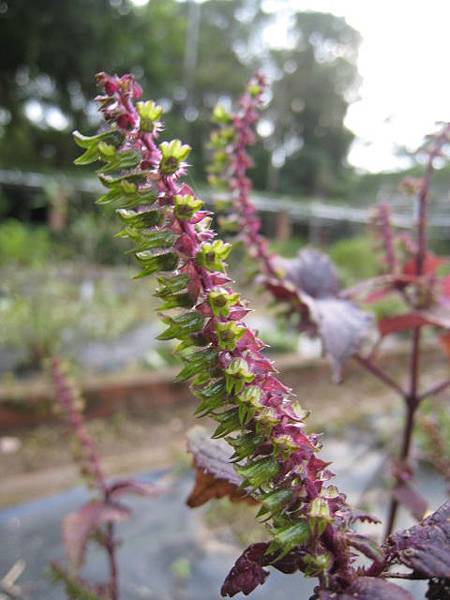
(404, 63)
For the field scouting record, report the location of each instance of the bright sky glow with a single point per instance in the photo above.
(403, 62)
(404, 65)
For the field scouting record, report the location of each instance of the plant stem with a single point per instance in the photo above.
(436, 389)
(411, 401)
(113, 570)
(380, 374)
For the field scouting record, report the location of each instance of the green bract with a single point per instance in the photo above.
(212, 256)
(172, 156)
(150, 113)
(186, 206)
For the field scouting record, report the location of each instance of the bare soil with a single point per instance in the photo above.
(38, 462)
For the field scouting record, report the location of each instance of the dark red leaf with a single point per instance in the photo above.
(247, 572)
(425, 548)
(369, 588)
(215, 475)
(437, 317)
(79, 525)
(444, 342)
(431, 265)
(366, 546)
(400, 323)
(376, 288)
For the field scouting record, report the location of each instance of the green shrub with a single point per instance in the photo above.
(355, 259)
(91, 239)
(287, 248)
(24, 244)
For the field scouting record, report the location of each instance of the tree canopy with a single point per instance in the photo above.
(189, 56)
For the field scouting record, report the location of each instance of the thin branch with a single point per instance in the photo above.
(411, 402)
(434, 390)
(380, 374)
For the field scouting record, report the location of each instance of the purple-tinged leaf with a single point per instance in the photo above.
(368, 588)
(213, 456)
(425, 548)
(342, 327)
(410, 498)
(215, 475)
(79, 525)
(366, 546)
(312, 272)
(247, 572)
(311, 288)
(122, 487)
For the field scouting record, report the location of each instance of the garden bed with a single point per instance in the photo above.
(139, 421)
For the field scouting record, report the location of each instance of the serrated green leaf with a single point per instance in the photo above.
(140, 220)
(171, 285)
(183, 300)
(113, 195)
(118, 197)
(87, 141)
(89, 156)
(275, 500)
(259, 472)
(182, 326)
(212, 390)
(211, 396)
(146, 240)
(245, 445)
(245, 414)
(167, 261)
(113, 182)
(291, 536)
(202, 360)
(228, 422)
(122, 160)
(209, 405)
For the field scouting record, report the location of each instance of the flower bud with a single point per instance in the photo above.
(186, 207)
(212, 255)
(237, 374)
(220, 301)
(228, 335)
